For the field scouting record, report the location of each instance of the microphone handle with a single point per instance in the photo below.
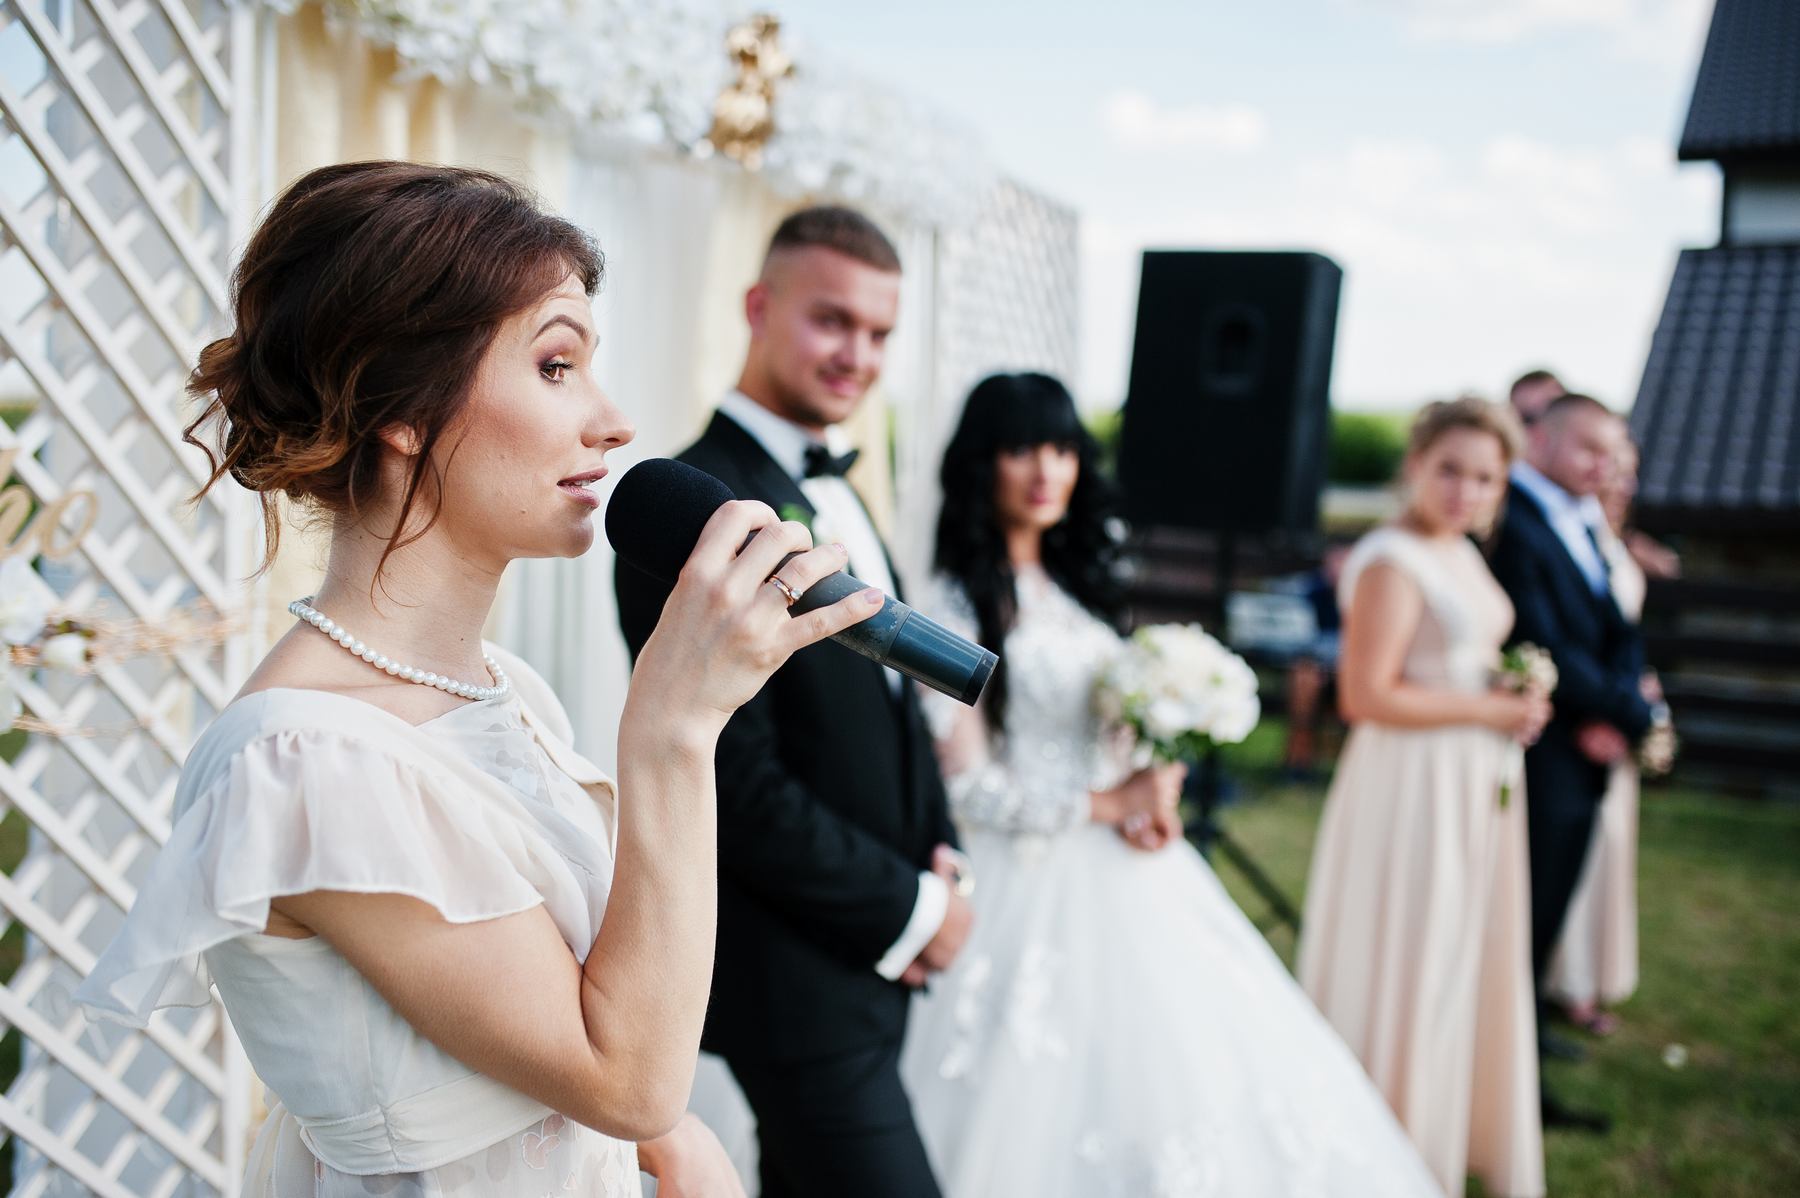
(901, 639)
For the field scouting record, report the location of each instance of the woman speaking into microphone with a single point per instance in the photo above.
(462, 958)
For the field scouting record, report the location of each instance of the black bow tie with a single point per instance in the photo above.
(820, 462)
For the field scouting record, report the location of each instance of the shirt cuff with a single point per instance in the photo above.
(927, 917)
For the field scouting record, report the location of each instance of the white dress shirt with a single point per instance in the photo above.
(839, 515)
(1577, 521)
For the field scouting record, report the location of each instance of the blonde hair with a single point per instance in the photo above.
(1466, 412)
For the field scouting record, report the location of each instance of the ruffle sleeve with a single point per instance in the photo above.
(303, 809)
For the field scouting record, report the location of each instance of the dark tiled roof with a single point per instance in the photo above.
(1717, 410)
(1747, 94)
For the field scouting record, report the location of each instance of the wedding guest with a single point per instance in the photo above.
(1416, 943)
(1595, 965)
(1312, 668)
(464, 961)
(1115, 1025)
(837, 885)
(1532, 392)
(1548, 557)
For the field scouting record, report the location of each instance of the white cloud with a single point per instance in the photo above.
(1463, 265)
(1136, 121)
(1666, 32)
(1646, 155)
(1570, 190)
(1384, 173)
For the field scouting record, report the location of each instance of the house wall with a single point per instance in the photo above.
(1762, 204)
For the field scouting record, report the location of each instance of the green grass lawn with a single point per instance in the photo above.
(1719, 922)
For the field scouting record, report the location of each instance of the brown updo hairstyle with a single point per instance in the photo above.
(365, 301)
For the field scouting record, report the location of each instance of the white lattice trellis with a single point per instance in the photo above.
(124, 174)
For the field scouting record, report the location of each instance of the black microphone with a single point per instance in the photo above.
(656, 515)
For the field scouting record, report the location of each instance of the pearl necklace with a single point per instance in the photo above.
(304, 610)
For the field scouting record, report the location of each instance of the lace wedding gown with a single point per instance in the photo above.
(1115, 1025)
(481, 812)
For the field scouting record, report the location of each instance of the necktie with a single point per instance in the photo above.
(820, 462)
(1599, 552)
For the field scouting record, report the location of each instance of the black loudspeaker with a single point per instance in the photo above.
(1228, 411)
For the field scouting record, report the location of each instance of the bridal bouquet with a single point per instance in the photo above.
(1528, 669)
(1656, 755)
(1179, 690)
(1525, 669)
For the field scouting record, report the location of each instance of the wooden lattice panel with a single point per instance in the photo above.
(123, 175)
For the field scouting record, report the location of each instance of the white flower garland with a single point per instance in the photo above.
(651, 69)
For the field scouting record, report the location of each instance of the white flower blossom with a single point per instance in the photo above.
(1173, 683)
(68, 651)
(651, 70)
(10, 706)
(25, 602)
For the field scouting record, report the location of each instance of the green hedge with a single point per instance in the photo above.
(14, 411)
(1366, 448)
(1105, 426)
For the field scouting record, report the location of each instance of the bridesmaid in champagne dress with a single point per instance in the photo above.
(1596, 961)
(1417, 936)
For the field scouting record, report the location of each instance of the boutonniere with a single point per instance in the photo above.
(815, 522)
(796, 513)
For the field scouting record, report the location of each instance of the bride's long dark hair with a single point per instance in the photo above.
(1018, 411)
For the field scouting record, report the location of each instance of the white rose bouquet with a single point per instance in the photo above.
(1179, 690)
(1525, 669)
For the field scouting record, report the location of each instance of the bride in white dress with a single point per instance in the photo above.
(463, 961)
(1115, 1026)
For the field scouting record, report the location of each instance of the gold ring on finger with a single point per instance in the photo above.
(787, 592)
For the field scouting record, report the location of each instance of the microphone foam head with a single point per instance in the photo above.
(657, 511)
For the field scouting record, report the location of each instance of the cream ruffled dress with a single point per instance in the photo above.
(481, 812)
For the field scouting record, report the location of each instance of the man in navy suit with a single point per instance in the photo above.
(1547, 555)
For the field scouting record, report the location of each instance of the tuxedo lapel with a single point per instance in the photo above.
(767, 481)
(764, 478)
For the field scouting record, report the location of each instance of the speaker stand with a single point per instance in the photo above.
(1204, 829)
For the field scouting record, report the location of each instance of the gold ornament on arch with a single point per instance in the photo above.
(19, 528)
(744, 113)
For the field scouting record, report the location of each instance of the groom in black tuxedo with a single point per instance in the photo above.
(1548, 556)
(838, 891)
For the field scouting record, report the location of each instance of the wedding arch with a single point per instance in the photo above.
(139, 139)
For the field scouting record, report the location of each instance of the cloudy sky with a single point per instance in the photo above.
(1496, 177)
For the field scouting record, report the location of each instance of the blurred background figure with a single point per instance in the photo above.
(1311, 673)
(1532, 392)
(1116, 1024)
(1595, 964)
(1416, 941)
(1548, 556)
